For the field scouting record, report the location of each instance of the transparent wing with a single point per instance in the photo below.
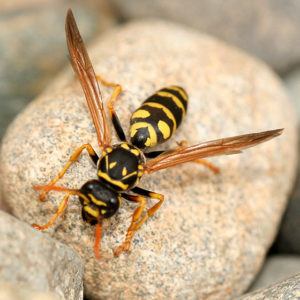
(226, 146)
(82, 66)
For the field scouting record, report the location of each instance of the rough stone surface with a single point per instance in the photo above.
(275, 269)
(29, 258)
(288, 289)
(204, 242)
(292, 83)
(17, 292)
(288, 238)
(269, 29)
(33, 43)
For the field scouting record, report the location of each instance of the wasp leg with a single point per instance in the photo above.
(154, 154)
(74, 157)
(114, 117)
(137, 219)
(61, 208)
(98, 236)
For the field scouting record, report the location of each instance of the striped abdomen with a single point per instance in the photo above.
(158, 117)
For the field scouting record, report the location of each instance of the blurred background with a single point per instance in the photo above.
(33, 51)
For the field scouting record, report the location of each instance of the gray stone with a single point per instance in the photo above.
(288, 289)
(32, 44)
(275, 269)
(32, 259)
(269, 29)
(205, 240)
(292, 83)
(18, 292)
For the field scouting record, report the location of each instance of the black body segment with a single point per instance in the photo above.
(120, 167)
(158, 117)
(98, 201)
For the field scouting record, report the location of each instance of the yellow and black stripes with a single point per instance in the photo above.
(158, 117)
(121, 168)
(97, 201)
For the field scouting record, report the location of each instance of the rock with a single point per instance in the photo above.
(287, 289)
(32, 45)
(288, 238)
(204, 241)
(292, 82)
(268, 29)
(275, 269)
(15, 292)
(34, 260)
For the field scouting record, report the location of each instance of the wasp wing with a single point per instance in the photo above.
(226, 146)
(82, 66)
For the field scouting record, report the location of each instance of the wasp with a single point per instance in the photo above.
(121, 166)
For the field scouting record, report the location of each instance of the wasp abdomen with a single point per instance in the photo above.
(158, 117)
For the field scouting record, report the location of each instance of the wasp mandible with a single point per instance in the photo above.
(120, 167)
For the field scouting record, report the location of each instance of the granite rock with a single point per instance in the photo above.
(204, 242)
(288, 289)
(275, 269)
(17, 292)
(32, 46)
(33, 260)
(268, 29)
(292, 83)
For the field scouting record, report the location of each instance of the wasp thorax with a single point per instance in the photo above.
(98, 201)
(120, 167)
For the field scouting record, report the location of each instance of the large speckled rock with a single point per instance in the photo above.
(37, 262)
(269, 29)
(205, 241)
(288, 289)
(32, 45)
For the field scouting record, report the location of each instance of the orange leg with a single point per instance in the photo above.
(110, 104)
(74, 157)
(137, 219)
(61, 208)
(97, 244)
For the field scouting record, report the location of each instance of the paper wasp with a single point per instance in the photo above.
(120, 167)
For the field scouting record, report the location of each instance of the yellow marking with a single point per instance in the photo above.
(140, 113)
(148, 142)
(164, 129)
(125, 146)
(166, 111)
(174, 98)
(109, 149)
(113, 181)
(124, 172)
(112, 165)
(86, 200)
(181, 91)
(136, 152)
(140, 173)
(106, 162)
(97, 201)
(129, 175)
(140, 167)
(93, 212)
(152, 140)
(103, 211)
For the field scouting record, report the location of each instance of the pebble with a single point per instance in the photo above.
(275, 269)
(37, 262)
(32, 46)
(268, 29)
(288, 289)
(17, 292)
(204, 242)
